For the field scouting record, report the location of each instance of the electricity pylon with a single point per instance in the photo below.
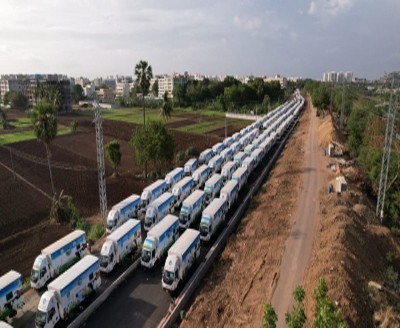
(391, 117)
(100, 160)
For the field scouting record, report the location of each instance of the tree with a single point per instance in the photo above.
(18, 100)
(144, 74)
(154, 88)
(269, 318)
(266, 102)
(45, 128)
(54, 96)
(326, 313)
(320, 97)
(179, 93)
(156, 145)
(6, 98)
(4, 121)
(48, 93)
(356, 125)
(166, 108)
(77, 93)
(113, 154)
(297, 317)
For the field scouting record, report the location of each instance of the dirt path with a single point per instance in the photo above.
(299, 243)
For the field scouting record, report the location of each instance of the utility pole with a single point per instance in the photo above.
(100, 161)
(386, 155)
(342, 109)
(332, 88)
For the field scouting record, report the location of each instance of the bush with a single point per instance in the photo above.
(74, 126)
(192, 152)
(95, 232)
(82, 224)
(297, 317)
(269, 317)
(180, 156)
(64, 211)
(326, 313)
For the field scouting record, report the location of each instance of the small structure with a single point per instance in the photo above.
(341, 184)
(331, 150)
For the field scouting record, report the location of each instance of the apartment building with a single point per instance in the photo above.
(27, 84)
(167, 83)
(337, 77)
(122, 89)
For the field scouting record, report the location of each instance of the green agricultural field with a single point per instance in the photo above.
(212, 125)
(135, 115)
(22, 122)
(214, 120)
(10, 138)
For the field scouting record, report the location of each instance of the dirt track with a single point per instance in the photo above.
(298, 245)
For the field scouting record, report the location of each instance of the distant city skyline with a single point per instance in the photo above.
(261, 38)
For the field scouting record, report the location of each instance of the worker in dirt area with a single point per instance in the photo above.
(89, 247)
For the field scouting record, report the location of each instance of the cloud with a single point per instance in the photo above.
(248, 24)
(329, 7)
(266, 25)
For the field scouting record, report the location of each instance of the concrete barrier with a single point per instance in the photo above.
(248, 117)
(79, 321)
(191, 286)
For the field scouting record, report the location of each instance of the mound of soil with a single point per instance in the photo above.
(349, 250)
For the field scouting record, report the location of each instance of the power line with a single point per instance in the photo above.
(386, 155)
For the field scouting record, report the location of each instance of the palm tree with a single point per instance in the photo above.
(45, 128)
(48, 93)
(166, 108)
(53, 96)
(144, 74)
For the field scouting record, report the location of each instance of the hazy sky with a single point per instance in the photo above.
(292, 38)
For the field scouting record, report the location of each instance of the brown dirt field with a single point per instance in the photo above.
(74, 167)
(241, 282)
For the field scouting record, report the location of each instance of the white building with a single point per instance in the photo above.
(167, 83)
(17, 85)
(122, 89)
(89, 90)
(337, 77)
(281, 79)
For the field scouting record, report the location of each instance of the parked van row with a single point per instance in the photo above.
(221, 171)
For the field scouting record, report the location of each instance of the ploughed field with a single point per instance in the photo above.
(25, 201)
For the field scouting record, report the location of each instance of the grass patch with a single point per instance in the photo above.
(135, 115)
(9, 138)
(95, 232)
(209, 126)
(22, 122)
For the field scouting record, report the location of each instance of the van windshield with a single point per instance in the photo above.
(40, 318)
(34, 275)
(168, 277)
